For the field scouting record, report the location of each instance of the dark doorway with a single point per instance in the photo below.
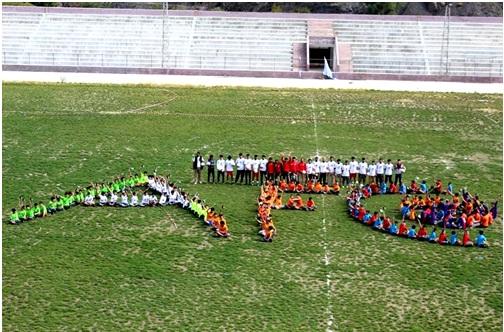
(317, 57)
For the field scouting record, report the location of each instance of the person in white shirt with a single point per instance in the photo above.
(230, 163)
(316, 168)
(153, 200)
(145, 199)
(371, 171)
(124, 200)
(310, 170)
(345, 174)
(113, 199)
(162, 199)
(331, 165)
(380, 170)
(197, 165)
(399, 170)
(240, 168)
(134, 199)
(248, 169)
(389, 167)
(172, 198)
(89, 200)
(262, 168)
(255, 170)
(323, 168)
(362, 171)
(103, 199)
(221, 167)
(353, 169)
(338, 169)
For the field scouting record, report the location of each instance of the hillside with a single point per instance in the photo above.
(383, 8)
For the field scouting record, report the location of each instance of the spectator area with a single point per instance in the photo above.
(247, 41)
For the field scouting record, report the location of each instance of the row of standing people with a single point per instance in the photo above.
(254, 170)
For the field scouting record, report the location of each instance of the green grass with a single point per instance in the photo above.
(130, 269)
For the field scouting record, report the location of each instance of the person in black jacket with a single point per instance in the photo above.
(211, 169)
(197, 165)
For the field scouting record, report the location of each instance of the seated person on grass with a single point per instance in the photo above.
(466, 239)
(386, 223)
(443, 239)
(336, 188)
(433, 236)
(298, 202)
(481, 240)
(403, 229)
(393, 228)
(222, 230)
(454, 241)
(14, 217)
(277, 203)
(310, 205)
(422, 233)
(378, 223)
(290, 203)
(269, 233)
(412, 232)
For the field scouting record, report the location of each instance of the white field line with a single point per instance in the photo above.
(330, 316)
(148, 106)
(489, 118)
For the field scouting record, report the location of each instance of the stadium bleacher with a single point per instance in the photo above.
(224, 42)
(474, 49)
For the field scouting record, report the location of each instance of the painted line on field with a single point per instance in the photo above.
(330, 315)
(143, 108)
(489, 118)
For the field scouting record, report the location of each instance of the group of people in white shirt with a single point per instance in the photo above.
(254, 170)
(169, 194)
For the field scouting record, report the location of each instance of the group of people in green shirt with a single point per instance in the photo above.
(27, 211)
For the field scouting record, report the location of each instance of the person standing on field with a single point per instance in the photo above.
(399, 170)
(210, 169)
(389, 168)
(221, 166)
(197, 165)
(240, 168)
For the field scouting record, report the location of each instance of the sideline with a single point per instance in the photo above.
(55, 77)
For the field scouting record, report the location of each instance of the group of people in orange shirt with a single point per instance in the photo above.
(271, 198)
(312, 186)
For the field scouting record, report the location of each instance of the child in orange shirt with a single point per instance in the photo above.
(298, 203)
(310, 205)
(336, 188)
(223, 230)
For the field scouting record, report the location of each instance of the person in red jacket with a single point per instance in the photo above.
(443, 239)
(403, 229)
(278, 170)
(299, 187)
(270, 169)
(466, 239)
(422, 233)
(301, 171)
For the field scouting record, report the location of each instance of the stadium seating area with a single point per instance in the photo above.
(408, 47)
(251, 43)
(140, 41)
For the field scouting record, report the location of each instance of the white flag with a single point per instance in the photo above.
(327, 70)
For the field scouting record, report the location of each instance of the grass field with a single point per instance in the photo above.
(132, 269)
